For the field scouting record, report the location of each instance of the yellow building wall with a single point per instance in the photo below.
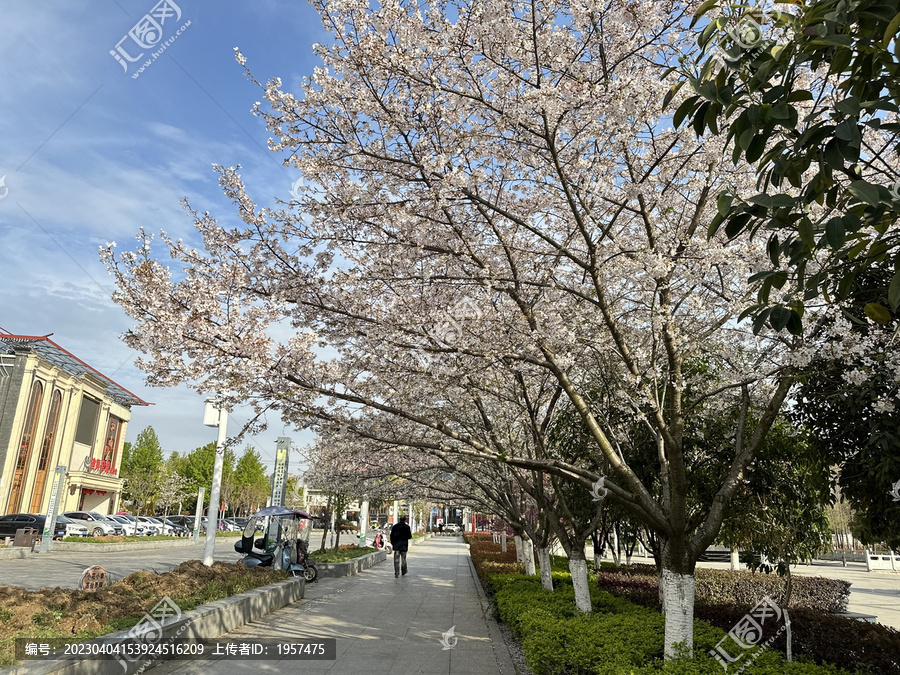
(65, 450)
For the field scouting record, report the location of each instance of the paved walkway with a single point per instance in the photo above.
(383, 624)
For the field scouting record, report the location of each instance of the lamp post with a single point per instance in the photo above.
(215, 415)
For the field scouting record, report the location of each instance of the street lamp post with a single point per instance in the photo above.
(215, 415)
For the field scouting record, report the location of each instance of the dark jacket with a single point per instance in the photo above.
(400, 536)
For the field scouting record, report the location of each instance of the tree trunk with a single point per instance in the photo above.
(788, 587)
(678, 606)
(519, 552)
(528, 554)
(503, 541)
(578, 568)
(544, 562)
(735, 559)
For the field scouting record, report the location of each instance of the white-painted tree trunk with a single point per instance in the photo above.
(503, 541)
(617, 556)
(544, 562)
(678, 606)
(597, 560)
(528, 553)
(578, 568)
(628, 553)
(735, 559)
(519, 552)
(787, 627)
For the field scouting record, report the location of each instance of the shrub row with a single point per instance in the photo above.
(618, 637)
(639, 583)
(817, 634)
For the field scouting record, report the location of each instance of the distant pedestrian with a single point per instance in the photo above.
(379, 541)
(440, 528)
(400, 536)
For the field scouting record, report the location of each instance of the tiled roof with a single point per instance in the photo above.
(52, 353)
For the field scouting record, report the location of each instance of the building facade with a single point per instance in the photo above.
(55, 410)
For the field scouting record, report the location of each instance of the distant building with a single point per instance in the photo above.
(57, 410)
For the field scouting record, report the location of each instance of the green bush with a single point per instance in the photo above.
(617, 637)
(640, 584)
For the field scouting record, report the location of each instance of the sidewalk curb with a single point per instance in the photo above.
(501, 651)
(207, 621)
(117, 547)
(15, 552)
(351, 567)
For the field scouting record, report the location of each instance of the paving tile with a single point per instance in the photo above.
(386, 625)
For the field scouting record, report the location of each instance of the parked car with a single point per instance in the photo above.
(187, 522)
(153, 528)
(97, 524)
(73, 529)
(452, 527)
(177, 530)
(17, 521)
(132, 527)
(162, 527)
(231, 525)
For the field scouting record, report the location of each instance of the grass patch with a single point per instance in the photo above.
(78, 615)
(341, 555)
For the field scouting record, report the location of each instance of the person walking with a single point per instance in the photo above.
(400, 536)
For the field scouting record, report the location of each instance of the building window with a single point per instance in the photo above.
(28, 432)
(111, 444)
(40, 480)
(87, 421)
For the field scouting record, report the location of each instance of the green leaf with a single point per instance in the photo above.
(736, 225)
(832, 41)
(878, 313)
(757, 146)
(805, 230)
(894, 291)
(864, 192)
(671, 93)
(702, 9)
(779, 317)
(835, 233)
(795, 323)
(760, 320)
(890, 32)
(723, 203)
(833, 156)
(685, 107)
(782, 200)
(800, 95)
(714, 225)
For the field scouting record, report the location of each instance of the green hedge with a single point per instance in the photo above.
(727, 587)
(619, 637)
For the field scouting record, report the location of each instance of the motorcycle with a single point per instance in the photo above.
(284, 545)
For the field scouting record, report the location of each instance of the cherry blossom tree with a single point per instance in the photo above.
(495, 212)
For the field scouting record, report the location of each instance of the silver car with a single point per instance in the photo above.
(97, 524)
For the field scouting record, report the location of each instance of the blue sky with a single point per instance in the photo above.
(90, 154)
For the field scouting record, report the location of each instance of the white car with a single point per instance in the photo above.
(152, 527)
(161, 527)
(132, 527)
(73, 529)
(452, 527)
